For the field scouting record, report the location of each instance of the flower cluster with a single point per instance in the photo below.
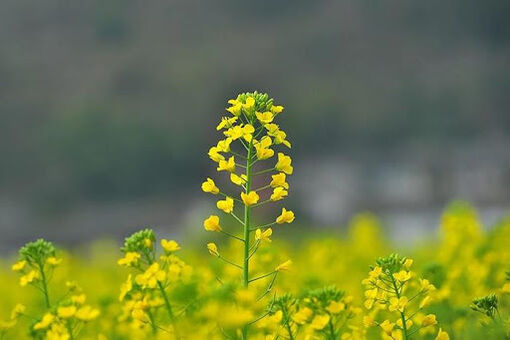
(64, 319)
(144, 293)
(250, 136)
(392, 287)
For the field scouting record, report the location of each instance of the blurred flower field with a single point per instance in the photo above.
(463, 264)
(252, 283)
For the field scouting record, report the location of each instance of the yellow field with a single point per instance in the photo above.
(209, 302)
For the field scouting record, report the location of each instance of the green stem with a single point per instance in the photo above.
(402, 314)
(70, 330)
(246, 255)
(151, 318)
(168, 308)
(331, 329)
(44, 286)
(287, 324)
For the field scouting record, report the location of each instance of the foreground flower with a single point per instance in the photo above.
(251, 138)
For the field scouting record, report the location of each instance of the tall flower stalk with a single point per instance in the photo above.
(244, 154)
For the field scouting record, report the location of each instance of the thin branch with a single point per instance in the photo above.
(263, 188)
(269, 287)
(235, 199)
(230, 262)
(230, 235)
(263, 172)
(264, 226)
(263, 276)
(237, 218)
(261, 203)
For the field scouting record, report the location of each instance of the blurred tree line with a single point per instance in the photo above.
(113, 99)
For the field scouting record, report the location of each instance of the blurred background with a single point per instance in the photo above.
(108, 108)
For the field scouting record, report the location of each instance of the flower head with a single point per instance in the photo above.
(284, 164)
(250, 198)
(263, 235)
(170, 246)
(286, 216)
(226, 205)
(279, 193)
(129, 259)
(213, 249)
(212, 223)
(210, 186)
(279, 180)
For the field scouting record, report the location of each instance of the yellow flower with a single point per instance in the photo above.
(227, 205)
(248, 131)
(212, 223)
(263, 235)
(425, 302)
(235, 132)
(29, 278)
(170, 246)
(280, 137)
(276, 109)
(215, 155)
(125, 288)
(375, 273)
(409, 323)
(66, 312)
(368, 321)
(5, 325)
(286, 216)
(131, 258)
(335, 307)
(224, 145)
(213, 249)
(272, 129)
(387, 327)
(250, 198)
(429, 320)
(79, 299)
(19, 266)
(302, 316)
(284, 164)
(283, 267)
(279, 180)
(45, 322)
(506, 288)
(87, 313)
(265, 118)
(249, 104)
(369, 303)
(238, 180)
(442, 335)
(408, 263)
(278, 194)
(18, 310)
(426, 285)
(151, 277)
(262, 148)
(53, 261)
(226, 123)
(320, 321)
(402, 276)
(397, 304)
(235, 109)
(229, 165)
(210, 186)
